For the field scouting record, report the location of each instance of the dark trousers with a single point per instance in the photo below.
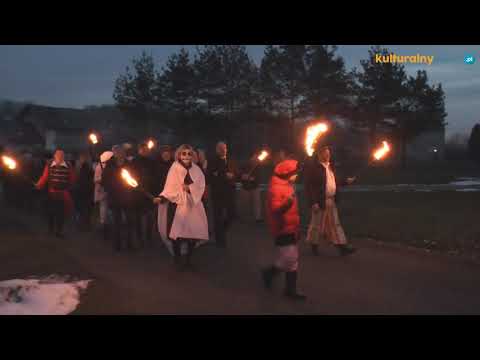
(85, 209)
(144, 225)
(223, 213)
(55, 215)
(119, 212)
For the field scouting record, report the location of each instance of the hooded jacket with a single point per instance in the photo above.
(282, 213)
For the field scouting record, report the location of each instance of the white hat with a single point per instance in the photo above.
(107, 155)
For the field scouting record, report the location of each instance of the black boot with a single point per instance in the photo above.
(267, 276)
(188, 259)
(315, 250)
(291, 286)
(345, 249)
(177, 254)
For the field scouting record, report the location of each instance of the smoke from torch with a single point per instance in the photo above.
(9, 162)
(313, 133)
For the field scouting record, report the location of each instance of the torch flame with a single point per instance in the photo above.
(380, 153)
(130, 180)
(313, 132)
(263, 155)
(150, 144)
(9, 162)
(93, 138)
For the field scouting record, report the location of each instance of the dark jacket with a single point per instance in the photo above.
(161, 171)
(144, 169)
(219, 184)
(119, 194)
(84, 189)
(315, 178)
(246, 169)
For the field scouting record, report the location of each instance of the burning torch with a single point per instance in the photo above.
(378, 154)
(150, 144)
(11, 165)
(314, 132)
(260, 158)
(93, 138)
(134, 184)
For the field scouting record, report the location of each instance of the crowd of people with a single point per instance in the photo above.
(179, 189)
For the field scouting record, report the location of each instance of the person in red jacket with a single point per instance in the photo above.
(59, 178)
(284, 221)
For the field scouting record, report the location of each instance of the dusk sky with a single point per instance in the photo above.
(79, 75)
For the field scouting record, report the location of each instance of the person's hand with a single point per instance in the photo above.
(36, 186)
(229, 175)
(316, 208)
(351, 180)
(245, 177)
(251, 178)
(159, 200)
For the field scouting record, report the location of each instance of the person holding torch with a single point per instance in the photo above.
(59, 178)
(321, 194)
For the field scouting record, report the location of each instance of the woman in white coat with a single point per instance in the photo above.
(182, 221)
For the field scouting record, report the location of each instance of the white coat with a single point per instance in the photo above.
(190, 221)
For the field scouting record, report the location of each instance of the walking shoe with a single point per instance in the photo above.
(291, 287)
(346, 249)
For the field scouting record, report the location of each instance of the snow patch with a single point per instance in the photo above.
(48, 296)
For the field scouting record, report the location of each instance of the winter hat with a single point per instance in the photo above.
(107, 155)
(286, 168)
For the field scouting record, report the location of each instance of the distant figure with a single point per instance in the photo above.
(84, 192)
(144, 167)
(120, 197)
(162, 165)
(250, 185)
(182, 220)
(222, 174)
(321, 194)
(284, 221)
(59, 178)
(100, 194)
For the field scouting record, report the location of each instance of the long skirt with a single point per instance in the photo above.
(325, 225)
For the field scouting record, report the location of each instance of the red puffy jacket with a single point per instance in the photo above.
(282, 219)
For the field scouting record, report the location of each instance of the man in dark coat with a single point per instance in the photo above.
(321, 194)
(222, 174)
(120, 196)
(144, 168)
